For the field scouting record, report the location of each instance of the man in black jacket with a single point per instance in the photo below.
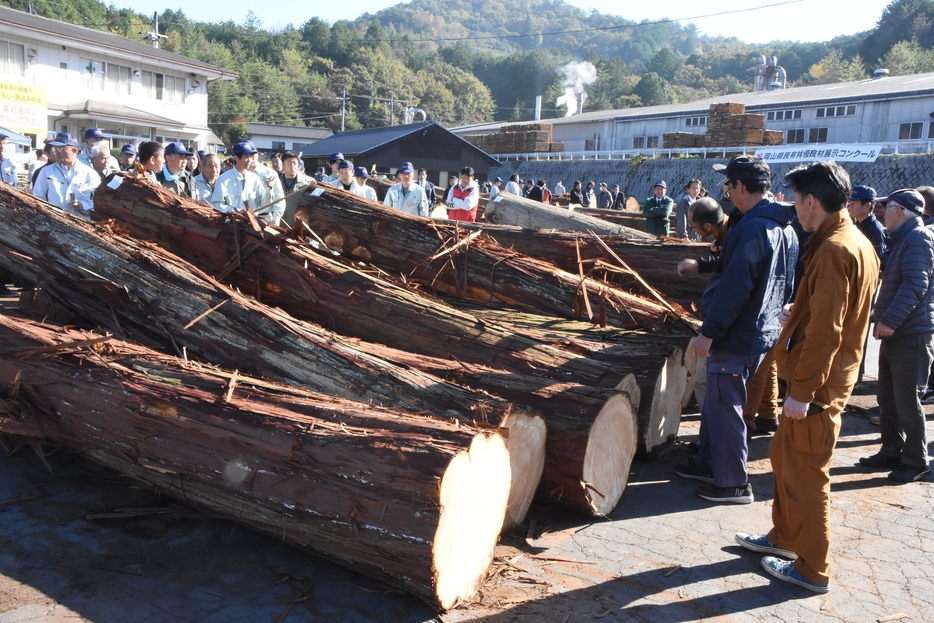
(904, 316)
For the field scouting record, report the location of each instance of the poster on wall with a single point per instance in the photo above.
(23, 108)
(809, 153)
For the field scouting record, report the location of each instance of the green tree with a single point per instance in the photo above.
(833, 68)
(665, 64)
(653, 90)
(908, 57)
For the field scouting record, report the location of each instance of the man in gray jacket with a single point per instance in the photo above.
(904, 316)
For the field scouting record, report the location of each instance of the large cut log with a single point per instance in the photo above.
(654, 260)
(662, 364)
(381, 187)
(509, 209)
(288, 274)
(413, 501)
(446, 259)
(625, 218)
(139, 290)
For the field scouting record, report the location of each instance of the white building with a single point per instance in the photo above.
(270, 138)
(57, 77)
(895, 110)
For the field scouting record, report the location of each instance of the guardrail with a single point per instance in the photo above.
(890, 148)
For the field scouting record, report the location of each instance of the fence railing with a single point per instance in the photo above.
(888, 148)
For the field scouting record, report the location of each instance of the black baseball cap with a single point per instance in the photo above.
(745, 169)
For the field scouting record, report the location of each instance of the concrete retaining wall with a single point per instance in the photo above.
(888, 173)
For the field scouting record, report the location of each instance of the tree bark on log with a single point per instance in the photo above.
(468, 265)
(663, 365)
(624, 218)
(317, 288)
(656, 261)
(509, 209)
(137, 289)
(413, 501)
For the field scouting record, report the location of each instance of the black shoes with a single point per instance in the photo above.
(761, 427)
(880, 461)
(689, 469)
(910, 473)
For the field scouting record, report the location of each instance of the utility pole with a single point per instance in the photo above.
(392, 110)
(154, 36)
(343, 107)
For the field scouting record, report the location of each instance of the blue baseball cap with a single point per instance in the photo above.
(406, 168)
(660, 183)
(862, 193)
(177, 149)
(128, 149)
(361, 172)
(64, 138)
(202, 153)
(345, 164)
(335, 157)
(93, 133)
(497, 180)
(320, 169)
(244, 147)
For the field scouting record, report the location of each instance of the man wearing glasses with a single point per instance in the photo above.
(753, 279)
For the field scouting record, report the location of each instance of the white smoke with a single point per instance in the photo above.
(576, 77)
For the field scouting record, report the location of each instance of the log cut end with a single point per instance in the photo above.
(474, 494)
(690, 366)
(610, 450)
(526, 445)
(665, 415)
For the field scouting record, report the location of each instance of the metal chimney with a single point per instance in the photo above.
(880, 73)
(538, 107)
(580, 102)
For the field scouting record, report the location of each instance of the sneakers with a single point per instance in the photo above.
(761, 427)
(731, 495)
(763, 545)
(909, 473)
(785, 571)
(690, 469)
(875, 419)
(880, 461)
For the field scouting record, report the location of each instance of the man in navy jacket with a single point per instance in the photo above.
(753, 280)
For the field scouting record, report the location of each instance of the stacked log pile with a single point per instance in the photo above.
(728, 125)
(403, 366)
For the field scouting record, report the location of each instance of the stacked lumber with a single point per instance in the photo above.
(728, 125)
(684, 140)
(517, 138)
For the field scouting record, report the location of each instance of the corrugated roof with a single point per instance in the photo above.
(357, 142)
(287, 131)
(43, 27)
(361, 142)
(884, 88)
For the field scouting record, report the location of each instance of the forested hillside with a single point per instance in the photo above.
(467, 61)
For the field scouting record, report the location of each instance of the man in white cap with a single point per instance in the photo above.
(657, 209)
(407, 196)
(67, 183)
(239, 187)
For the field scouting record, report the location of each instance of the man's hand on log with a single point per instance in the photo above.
(702, 346)
(882, 330)
(686, 267)
(794, 409)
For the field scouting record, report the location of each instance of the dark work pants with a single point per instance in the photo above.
(723, 446)
(904, 363)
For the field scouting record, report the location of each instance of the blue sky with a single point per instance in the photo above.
(793, 20)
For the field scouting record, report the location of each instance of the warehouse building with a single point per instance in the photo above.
(892, 110)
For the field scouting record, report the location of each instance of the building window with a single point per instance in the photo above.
(783, 115)
(652, 142)
(817, 135)
(836, 111)
(794, 136)
(118, 79)
(695, 121)
(638, 142)
(163, 87)
(93, 74)
(931, 130)
(589, 144)
(12, 58)
(909, 131)
(278, 145)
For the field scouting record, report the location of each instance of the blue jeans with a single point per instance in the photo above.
(723, 446)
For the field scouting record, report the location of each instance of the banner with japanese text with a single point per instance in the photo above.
(23, 108)
(808, 153)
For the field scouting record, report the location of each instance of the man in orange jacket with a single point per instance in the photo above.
(818, 354)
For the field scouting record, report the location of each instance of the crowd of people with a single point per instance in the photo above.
(793, 290)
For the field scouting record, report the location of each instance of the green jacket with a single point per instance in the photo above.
(657, 213)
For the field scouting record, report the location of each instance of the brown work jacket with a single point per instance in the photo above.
(822, 342)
